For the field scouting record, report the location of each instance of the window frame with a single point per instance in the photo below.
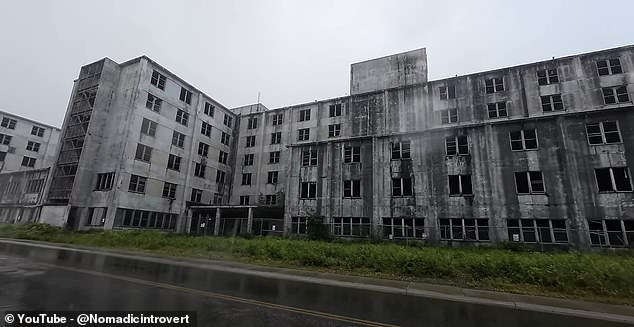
(461, 192)
(498, 107)
(626, 169)
(523, 140)
(352, 157)
(139, 182)
(529, 176)
(455, 139)
(354, 189)
(602, 132)
(401, 186)
(311, 191)
(400, 150)
(495, 86)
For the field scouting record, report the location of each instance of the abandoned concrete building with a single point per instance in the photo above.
(537, 153)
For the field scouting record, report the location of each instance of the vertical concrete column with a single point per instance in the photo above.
(186, 225)
(217, 223)
(250, 222)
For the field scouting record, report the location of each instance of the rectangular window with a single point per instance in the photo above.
(351, 154)
(617, 94)
(525, 139)
(402, 187)
(220, 177)
(611, 232)
(272, 177)
(205, 129)
(246, 178)
(222, 157)
(186, 95)
(178, 139)
(334, 130)
(153, 103)
(609, 67)
(278, 119)
(352, 189)
(148, 127)
(182, 117)
(196, 195)
(403, 227)
(137, 184)
(547, 76)
(449, 116)
(228, 120)
(613, 179)
(606, 132)
(225, 138)
(274, 157)
(5, 139)
(334, 110)
(209, 109)
(464, 229)
(529, 182)
(96, 216)
(33, 146)
(309, 158)
(270, 200)
(304, 115)
(460, 185)
(8, 123)
(299, 225)
(447, 92)
(203, 149)
(174, 162)
(104, 181)
(401, 150)
(252, 123)
(552, 103)
(37, 131)
(494, 85)
(199, 170)
(547, 231)
(143, 153)
(248, 159)
(3, 155)
(308, 190)
(158, 80)
(276, 138)
(244, 200)
(303, 134)
(497, 110)
(457, 145)
(250, 141)
(169, 190)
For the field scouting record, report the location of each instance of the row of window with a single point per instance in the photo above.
(30, 145)
(274, 158)
(146, 219)
(268, 200)
(10, 123)
(544, 77)
(271, 178)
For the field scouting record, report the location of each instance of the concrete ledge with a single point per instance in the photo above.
(591, 310)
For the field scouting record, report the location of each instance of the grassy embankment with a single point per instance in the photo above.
(598, 277)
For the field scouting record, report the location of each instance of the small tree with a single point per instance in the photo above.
(317, 228)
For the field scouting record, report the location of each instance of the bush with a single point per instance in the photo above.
(317, 229)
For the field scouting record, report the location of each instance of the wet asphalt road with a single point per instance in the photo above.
(37, 278)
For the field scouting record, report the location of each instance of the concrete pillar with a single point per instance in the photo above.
(187, 223)
(250, 222)
(217, 223)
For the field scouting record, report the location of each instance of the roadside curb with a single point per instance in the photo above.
(591, 310)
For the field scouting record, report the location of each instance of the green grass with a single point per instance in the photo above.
(598, 277)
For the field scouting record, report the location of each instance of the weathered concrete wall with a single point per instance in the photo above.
(397, 70)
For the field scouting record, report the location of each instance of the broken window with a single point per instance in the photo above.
(203, 149)
(8, 123)
(614, 179)
(552, 103)
(199, 170)
(457, 145)
(402, 187)
(309, 158)
(182, 117)
(449, 116)
(464, 229)
(174, 162)
(270, 200)
(351, 154)
(148, 127)
(352, 188)
(274, 157)
(205, 129)
(137, 184)
(611, 232)
(529, 182)
(606, 132)
(33, 146)
(250, 141)
(334, 130)
(617, 94)
(222, 157)
(401, 150)
(447, 92)
(547, 231)
(460, 185)
(5, 139)
(304, 115)
(186, 95)
(609, 66)
(303, 134)
(3, 155)
(143, 152)
(400, 227)
(196, 195)
(547, 76)
(244, 200)
(158, 80)
(276, 138)
(220, 177)
(153, 103)
(225, 138)
(525, 139)
(209, 109)
(334, 110)
(308, 190)
(272, 177)
(228, 120)
(246, 178)
(96, 216)
(39, 131)
(497, 110)
(252, 123)
(248, 159)
(299, 225)
(169, 190)
(104, 181)
(178, 139)
(493, 85)
(278, 119)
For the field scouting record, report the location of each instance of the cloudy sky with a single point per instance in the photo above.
(289, 51)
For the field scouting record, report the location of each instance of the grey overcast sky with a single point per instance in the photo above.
(290, 51)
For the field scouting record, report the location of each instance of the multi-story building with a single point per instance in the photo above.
(537, 153)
